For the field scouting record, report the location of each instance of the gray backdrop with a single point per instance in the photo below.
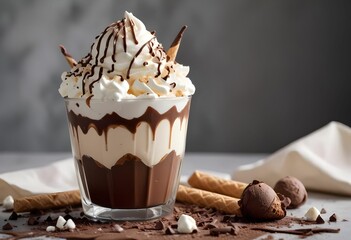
(266, 72)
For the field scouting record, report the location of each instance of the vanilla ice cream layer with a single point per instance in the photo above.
(149, 139)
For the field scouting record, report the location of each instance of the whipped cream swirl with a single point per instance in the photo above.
(126, 61)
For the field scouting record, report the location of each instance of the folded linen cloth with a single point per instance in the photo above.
(321, 160)
(57, 177)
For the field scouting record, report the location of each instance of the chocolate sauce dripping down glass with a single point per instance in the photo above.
(151, 117)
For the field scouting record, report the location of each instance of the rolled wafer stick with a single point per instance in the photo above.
(218, 185)
(204, 198)
(173, 50)
(47, 201)
(70, 60)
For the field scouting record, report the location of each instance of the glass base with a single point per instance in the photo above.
(95, 212)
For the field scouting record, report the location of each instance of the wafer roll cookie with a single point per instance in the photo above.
(47, 201)
(70, 60)
(203, 198)
(218, 185)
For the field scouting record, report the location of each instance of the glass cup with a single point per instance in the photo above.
(128, 155)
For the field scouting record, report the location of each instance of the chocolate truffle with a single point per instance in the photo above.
(292, 188)
(260, 202)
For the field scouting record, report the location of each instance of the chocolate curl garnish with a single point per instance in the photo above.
(173, 50)
(70, 60)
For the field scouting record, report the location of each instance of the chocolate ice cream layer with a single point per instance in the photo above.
(129, 184)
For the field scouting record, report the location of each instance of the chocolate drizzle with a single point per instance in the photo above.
(151, 117)
(132, 25)
(109, 39)
(107, 44)
(124, 36)
(136, 55)
(92, 83)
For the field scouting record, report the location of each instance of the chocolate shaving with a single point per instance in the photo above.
(299, 231)
(224, 230)
(210, 226)
(230, 218)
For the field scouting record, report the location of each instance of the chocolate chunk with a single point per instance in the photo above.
(48, 219)
(13, 216)
(320, 220)
(333, 218)
(170, 231)
(7, 226)
(224, 230)
(32, 221)
(323, 211)
(159, 225)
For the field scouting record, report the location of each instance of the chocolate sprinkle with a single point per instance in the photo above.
(323, 211)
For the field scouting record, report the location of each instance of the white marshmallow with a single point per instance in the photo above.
(8, 202)
(51, 229)
(60, 224)
(312, 214)
(186, 224)
(118, 228)
(70, 224)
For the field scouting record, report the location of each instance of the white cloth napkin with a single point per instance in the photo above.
(321, 160)
(57, 177)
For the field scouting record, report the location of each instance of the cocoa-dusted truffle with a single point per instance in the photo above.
(260, 202)
(292, 188)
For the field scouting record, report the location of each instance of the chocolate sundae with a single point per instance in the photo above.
(128, 104)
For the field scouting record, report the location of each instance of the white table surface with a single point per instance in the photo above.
(218, 162)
